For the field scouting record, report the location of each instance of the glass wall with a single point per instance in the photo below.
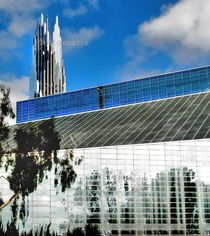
(144, 189)
(134, 91)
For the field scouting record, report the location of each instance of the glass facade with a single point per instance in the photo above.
(142, 189)
(113, 95)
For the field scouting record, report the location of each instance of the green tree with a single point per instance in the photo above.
(36, 154)
(5, 112)
(34, 157)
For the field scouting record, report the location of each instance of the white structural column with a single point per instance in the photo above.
(57, 48)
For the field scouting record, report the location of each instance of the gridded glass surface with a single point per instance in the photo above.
(143, 189)
(179, 118)
(124, 93)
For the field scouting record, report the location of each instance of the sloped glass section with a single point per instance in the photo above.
(180, 118)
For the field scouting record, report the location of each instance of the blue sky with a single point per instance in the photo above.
(125, 39)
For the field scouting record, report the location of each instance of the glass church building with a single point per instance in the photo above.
(145, 145)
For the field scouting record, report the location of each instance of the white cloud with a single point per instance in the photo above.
(22, 18)
(21, 6)
(83, 7)
(71, 13)
(136, 55)
(182, 30)
(21, 25)
(132, 70)
(83, 37)
(18, 90)
(93, 3)
(8, 46)
(88, 34)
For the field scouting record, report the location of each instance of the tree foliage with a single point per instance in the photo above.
(37, 146)
(35, 154)
(5, 111)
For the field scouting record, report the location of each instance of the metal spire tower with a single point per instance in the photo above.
(48, 73)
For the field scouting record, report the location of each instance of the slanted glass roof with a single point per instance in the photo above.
(172, 119)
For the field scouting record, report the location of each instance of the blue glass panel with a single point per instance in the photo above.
(108, 95)
(161, 79)
(178, 83)
(194, 80)
(86, 107)
(138, 83)
(204, 85)
(131, 92)
(123, 99)
(178, 79)
(31, 109)
(25, 115)
(139, 90)
(45, 104)
(154, 88)
(194, 73)
(208, 73)
(58, 112)
(72, 99)
(162, 92)
(170, 92)
(65, 101)
(93, 95)
(162, 86)
(202, 70)
(115, 87)
(116, 102)
(78, 98)
(123, 85)
(131, 100)
(107, 105)
(207, 68)
(72, 109)
(123, 93)
(94, 106)
(196, 87)
(169, 85)
(86, 96)
(170, 80)
(38, 105)
(139, 99)
(108, 88)
(146, 89)
(58, 101)
(187, 88)
(80, 108)
(203, 79)
(52, 105)
(179, 90)
(116, 94)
